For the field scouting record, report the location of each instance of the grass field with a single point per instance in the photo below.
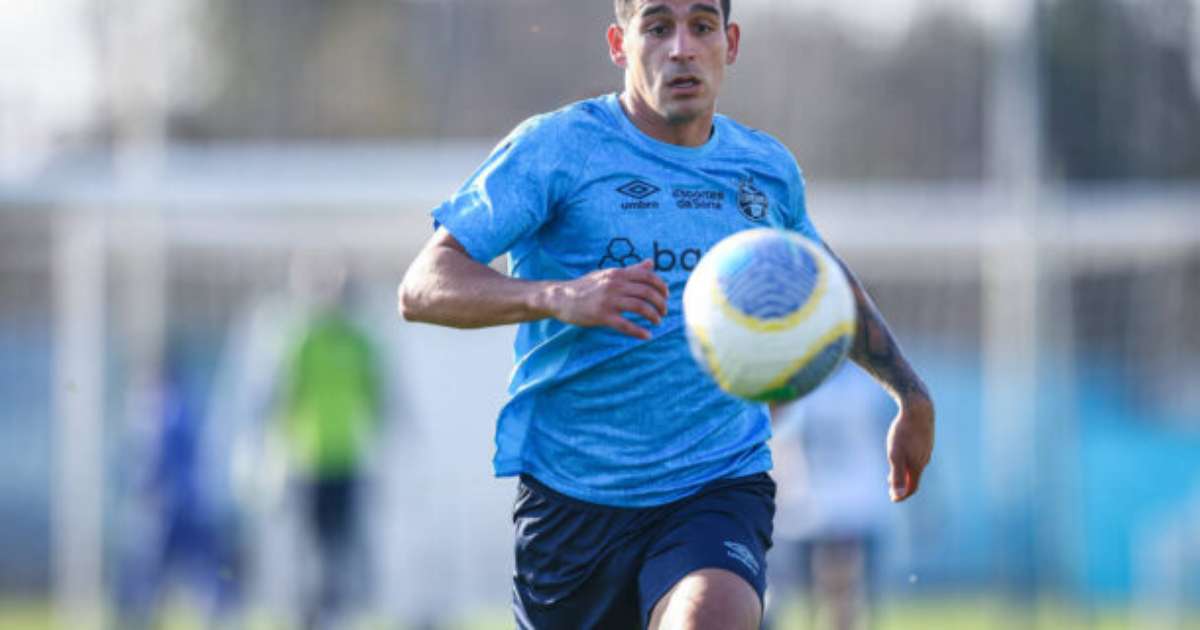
(947, 614)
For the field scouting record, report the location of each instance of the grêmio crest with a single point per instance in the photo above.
(751, 201)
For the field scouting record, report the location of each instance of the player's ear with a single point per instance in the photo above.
(733, 37)
(616, 45)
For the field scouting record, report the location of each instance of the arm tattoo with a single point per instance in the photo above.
(876, 350)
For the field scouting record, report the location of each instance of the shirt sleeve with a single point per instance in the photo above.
(798, 219)
(510, 196)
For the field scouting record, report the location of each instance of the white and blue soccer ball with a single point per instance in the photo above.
(769, 314)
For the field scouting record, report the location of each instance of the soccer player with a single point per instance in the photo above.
(644, 499)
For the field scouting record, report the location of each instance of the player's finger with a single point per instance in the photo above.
(914, 478)
(644, 272)
(644, 292)
(897, 477)
(895, 484)
(899, 485)
(910, 473)
(641, 307)
(622, 325)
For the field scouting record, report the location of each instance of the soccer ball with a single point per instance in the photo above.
(769, 314)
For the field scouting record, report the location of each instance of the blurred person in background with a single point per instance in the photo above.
(177, 533)
(329, 413)
(830, 517)
(644, 498)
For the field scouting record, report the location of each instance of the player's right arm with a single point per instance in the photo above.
(446, 286)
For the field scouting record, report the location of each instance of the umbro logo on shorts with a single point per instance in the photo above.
(741, 553)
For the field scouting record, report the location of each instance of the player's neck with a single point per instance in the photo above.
(691, 133)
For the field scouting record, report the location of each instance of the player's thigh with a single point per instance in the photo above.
(707, 561)
(708, 598)
(576, 564)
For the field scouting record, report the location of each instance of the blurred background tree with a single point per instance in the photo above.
(1120, 81)
(1119, 85)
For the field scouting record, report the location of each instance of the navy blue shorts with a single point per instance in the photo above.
(581, 565)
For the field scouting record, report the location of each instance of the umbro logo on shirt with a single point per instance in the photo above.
(638, 189)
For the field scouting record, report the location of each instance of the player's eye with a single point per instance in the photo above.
(657, 30)
(704, 28)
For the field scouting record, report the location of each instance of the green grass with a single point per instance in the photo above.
(25, 616)
(985, 614)
(32, 615)
(941, 614)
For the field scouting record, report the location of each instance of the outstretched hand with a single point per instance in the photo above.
(910, 445)
(602, 297)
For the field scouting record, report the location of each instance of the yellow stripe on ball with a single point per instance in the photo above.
(844, 329)
(710, 356)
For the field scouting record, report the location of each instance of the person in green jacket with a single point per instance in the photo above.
(330, 412)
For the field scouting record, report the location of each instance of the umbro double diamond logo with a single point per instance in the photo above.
(638, 189)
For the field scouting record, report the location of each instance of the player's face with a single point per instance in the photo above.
(674, 53)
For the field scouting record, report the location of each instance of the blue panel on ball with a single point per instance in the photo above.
(819, 368)
(770, 278)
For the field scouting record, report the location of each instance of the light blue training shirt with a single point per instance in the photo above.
(593, 413)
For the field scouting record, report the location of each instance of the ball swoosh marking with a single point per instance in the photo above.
(775, 325)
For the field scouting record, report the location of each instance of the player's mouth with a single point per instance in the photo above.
(685, 85)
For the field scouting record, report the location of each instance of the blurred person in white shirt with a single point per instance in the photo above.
(830, 515)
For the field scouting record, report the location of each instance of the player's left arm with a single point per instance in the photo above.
(910, 439)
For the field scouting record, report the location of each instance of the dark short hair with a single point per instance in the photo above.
(624, 10)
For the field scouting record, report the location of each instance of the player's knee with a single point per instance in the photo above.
(708, 599)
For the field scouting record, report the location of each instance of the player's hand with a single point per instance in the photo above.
(602, 297)
(910, 445)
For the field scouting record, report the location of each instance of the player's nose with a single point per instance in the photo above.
(683, 46)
